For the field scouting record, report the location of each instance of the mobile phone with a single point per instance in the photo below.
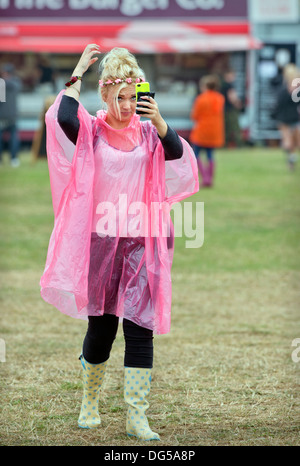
(142, 89)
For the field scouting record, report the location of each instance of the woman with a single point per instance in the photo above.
(110, 175)
(287, 115)
(208, 131)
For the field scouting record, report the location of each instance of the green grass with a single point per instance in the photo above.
(223, 376)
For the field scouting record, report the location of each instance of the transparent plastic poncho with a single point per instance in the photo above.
(112, 244)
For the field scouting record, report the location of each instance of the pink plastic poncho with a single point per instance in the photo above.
(112, 192)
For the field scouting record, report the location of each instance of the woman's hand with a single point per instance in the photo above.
(86, 59)
(153, 113)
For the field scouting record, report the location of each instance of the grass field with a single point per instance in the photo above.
(223, 376)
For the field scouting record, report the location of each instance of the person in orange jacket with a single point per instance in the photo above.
(208, 132)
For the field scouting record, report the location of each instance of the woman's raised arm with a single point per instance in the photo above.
(85, 61)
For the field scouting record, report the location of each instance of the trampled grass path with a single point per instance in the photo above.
(227, 374)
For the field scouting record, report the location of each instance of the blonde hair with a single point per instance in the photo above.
(119, 63)
(290, 72)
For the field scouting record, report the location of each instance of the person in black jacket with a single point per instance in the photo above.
(287, 115)
(9, 112)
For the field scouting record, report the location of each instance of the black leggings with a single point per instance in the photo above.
(101, 334)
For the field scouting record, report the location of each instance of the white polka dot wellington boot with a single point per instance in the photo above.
(136, 388)
(93, 375)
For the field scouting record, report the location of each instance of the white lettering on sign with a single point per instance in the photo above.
(136, 7)
(39, 4)
(96, 4)
(203, 4)
(127, 7)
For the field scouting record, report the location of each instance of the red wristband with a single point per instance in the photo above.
(73, 80)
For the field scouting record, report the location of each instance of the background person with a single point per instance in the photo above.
(233, 106)
(286, 113)
(9, 113)
(38, 147)
(208, 131)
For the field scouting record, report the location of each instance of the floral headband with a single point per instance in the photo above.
(118, 81)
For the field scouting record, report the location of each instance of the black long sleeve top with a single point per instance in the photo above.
(286, 110)
(69, 122)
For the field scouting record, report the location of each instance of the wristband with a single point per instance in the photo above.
(73, 80)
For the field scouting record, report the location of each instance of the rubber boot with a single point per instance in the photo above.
(203, 172)
(93, 375)
(136, 388)
(292, 159)
(211, 173)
